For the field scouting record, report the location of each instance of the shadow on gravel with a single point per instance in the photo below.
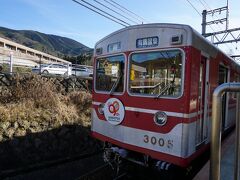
(55, 145)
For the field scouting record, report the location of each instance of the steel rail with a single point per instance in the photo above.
(46, 164)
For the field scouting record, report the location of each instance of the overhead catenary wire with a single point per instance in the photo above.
(106, 16)
(115, 12)
(201, 16)
(127, 10)
(124, 11)
(194, 7)
(105, 12)
(197, 11)
(207, 6)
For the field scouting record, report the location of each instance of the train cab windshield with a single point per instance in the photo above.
(110, 74)
(156, 73)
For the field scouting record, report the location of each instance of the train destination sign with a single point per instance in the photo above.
(147, 42)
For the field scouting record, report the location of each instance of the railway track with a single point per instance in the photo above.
(45, 165)
(126, 171)
(130, 171)
(101, 172)
(107, 172)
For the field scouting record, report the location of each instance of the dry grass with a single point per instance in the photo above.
(37, 99)
(41, 91)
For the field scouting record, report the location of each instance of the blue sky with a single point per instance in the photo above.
(66, 18)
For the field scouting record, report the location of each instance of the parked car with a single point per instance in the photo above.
(58, 69)
(82, 71)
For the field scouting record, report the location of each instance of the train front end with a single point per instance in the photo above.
(140, 106)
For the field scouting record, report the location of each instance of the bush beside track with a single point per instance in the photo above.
(39, 122)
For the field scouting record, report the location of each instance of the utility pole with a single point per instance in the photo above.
(216, 21)
(40, 67)
(204, 22)
(227, 35)
(11, 63)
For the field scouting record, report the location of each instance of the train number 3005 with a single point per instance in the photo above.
(158, 141)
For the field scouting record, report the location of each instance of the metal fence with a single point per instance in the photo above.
(69, 83)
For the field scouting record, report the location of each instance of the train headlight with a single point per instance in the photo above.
(160, 118)
(101, 108)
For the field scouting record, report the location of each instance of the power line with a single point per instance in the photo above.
(101, 13)
(194, 8)
(226, 44)
(115, 11)
(105, 12)
(122, 10)
(206, 4)
(203, 4)
(201, 16)
(128, 10)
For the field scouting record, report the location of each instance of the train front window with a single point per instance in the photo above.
(110, 74)
(157, 73)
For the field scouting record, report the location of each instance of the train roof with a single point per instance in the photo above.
(192, 37)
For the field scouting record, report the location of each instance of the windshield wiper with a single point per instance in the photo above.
(165, 88)
(116, 83)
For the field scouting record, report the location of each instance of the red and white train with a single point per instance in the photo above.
(152, 95)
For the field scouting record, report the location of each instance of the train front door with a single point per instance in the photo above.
(203, 105)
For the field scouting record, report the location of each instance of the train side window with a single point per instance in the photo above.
(110, 74)
(157, 73)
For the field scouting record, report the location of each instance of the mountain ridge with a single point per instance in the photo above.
(52, 44)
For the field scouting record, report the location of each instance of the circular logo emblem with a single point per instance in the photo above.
(114, 111)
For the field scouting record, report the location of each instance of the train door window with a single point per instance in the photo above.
(110, 74)
(223, 74)
(223, 78)
(202, 101)
(156, 73)
(233, 95)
